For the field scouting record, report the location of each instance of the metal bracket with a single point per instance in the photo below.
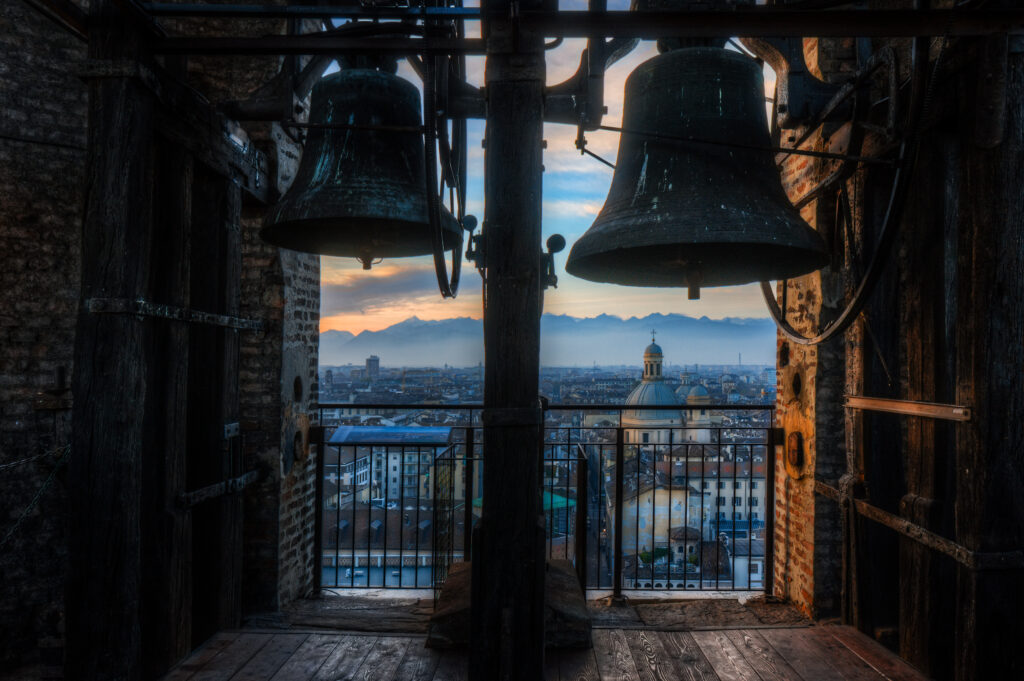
(144, 308)
(190, 499)
(800, 96)
(231, 430)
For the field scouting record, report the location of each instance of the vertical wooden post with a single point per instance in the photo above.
(167, 537)
(104, 536)
(990, 356)
(508, 570)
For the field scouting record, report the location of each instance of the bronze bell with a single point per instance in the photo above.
(360, 191)
(685, 213)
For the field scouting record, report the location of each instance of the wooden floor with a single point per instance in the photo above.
(818, 653)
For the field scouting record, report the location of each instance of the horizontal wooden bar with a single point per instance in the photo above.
(932, 410)
(746, 22)
(973, 560)
(318, 44)
(144, 308)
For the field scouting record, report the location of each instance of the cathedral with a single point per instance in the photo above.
(665, 426)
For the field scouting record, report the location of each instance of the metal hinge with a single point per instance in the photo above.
(190, 499)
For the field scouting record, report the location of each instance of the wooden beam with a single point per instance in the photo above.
(105, 486)
(932, 410)
(507, 639)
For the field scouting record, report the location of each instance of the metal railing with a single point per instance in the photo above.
(688, 508)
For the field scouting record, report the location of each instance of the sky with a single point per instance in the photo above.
(575, 187)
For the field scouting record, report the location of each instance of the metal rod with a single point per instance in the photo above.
(620, 462)
(769, 514)
(582, 508)
(748, 21)
(737, 145)
(932, 410)
(318, 521)
(313, 43)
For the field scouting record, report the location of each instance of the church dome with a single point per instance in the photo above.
(697, 394)
(651, 393)
(653, 349)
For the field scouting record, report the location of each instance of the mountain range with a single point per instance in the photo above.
(566, 341)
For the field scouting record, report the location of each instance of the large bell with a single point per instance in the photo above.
(360, 191)
(683, 213)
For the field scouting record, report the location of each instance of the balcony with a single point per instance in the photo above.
(653, 509)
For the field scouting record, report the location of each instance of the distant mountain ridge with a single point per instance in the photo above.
(565, 341)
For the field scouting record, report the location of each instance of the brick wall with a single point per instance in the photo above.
(811, 383)
(42, 158)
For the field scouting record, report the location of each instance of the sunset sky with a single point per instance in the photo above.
(575, 187)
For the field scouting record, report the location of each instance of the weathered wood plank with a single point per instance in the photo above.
(309, 657)
(383, 660)
(614, 661)
(232, 658)
(419, 663)
(270, 658)
(691, 664)
(452, 667)
(768, 664)
(577, 665)
(726, 660)
(808, 658)
(849, 665)
(200, 657)
(649, 656)
(345, 660)
(877, 656)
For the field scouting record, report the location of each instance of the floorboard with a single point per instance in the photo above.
(270, 658)
(724, 657)
(768, 664)
(852, 667)
(419, 663)
(880, 658)
(649, 656)
(817, 653)
(614, 661)
(304, 662)
(345, 660)
(201, 656)
(803, 654)
(691, 664)
(232, 658)
(577, 665)
(383, 660)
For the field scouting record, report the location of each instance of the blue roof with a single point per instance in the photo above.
(390, 435)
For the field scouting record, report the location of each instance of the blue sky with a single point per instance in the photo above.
(575, 187)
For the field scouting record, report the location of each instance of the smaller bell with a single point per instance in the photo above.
(360, 191)
(685, 213)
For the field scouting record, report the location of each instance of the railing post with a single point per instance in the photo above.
(582, 507)
(620, 457)
(467, 523)
(769, 519)
(318, 521)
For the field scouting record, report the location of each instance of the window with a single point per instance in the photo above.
(737, 516)
(737, 501)
(755, 568)
(721, 501)
(647, 437)
(721, 485)
(755, 515)
(753, 501)
(705, 485)
(753, 484)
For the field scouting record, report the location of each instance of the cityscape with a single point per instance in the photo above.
(403, 471)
